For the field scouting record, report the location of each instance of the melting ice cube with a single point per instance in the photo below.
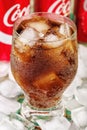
(82, 61)
(81, 94)
(82, 49)
(9, 88)
(29, 36)
(10, 75)
(65, 30)
(79, 116)
(52, 40)
(7, 125)
(57, 123)
(8, 105)
(45, 81)
(3, 116)
(82, 69)
(40, 26)
(19, 125)
(71, 89)
(51, 37)
(4, 68)
(73, 126)
(50, 83)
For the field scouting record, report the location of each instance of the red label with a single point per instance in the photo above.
(57, 6)
(82, 21)
(9, 12)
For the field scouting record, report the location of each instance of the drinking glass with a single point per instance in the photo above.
(44, 60)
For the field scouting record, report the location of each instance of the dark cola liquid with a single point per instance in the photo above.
(43, 72)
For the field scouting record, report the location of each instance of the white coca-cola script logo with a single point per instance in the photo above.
(13, 13)
(85, 5)
(60, 7)
(9, 18)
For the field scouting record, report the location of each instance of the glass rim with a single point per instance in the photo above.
(72, 36)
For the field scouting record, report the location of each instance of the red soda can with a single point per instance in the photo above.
(9, 12)
(82, 21)
(53, 6)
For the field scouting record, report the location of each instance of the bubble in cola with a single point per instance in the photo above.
(43, 60)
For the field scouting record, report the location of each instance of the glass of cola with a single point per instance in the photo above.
(44, 60)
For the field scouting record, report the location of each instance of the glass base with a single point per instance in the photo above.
(32, 114)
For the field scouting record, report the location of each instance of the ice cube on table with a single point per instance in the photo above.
(71, 104)
(3, 116)
(28, 36)
(9, 88)
(10, 75)
(82, 61)
(82, 68)
(7, 106)
(83, 48)
(73, 126)
(4, 68)
(79, 116)
(65, 30)
(19, 125)
(40, 26)
(11, 123)
(52, 40)
(7, 124)
(69, 92)
(81, 94)
(56, 123)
